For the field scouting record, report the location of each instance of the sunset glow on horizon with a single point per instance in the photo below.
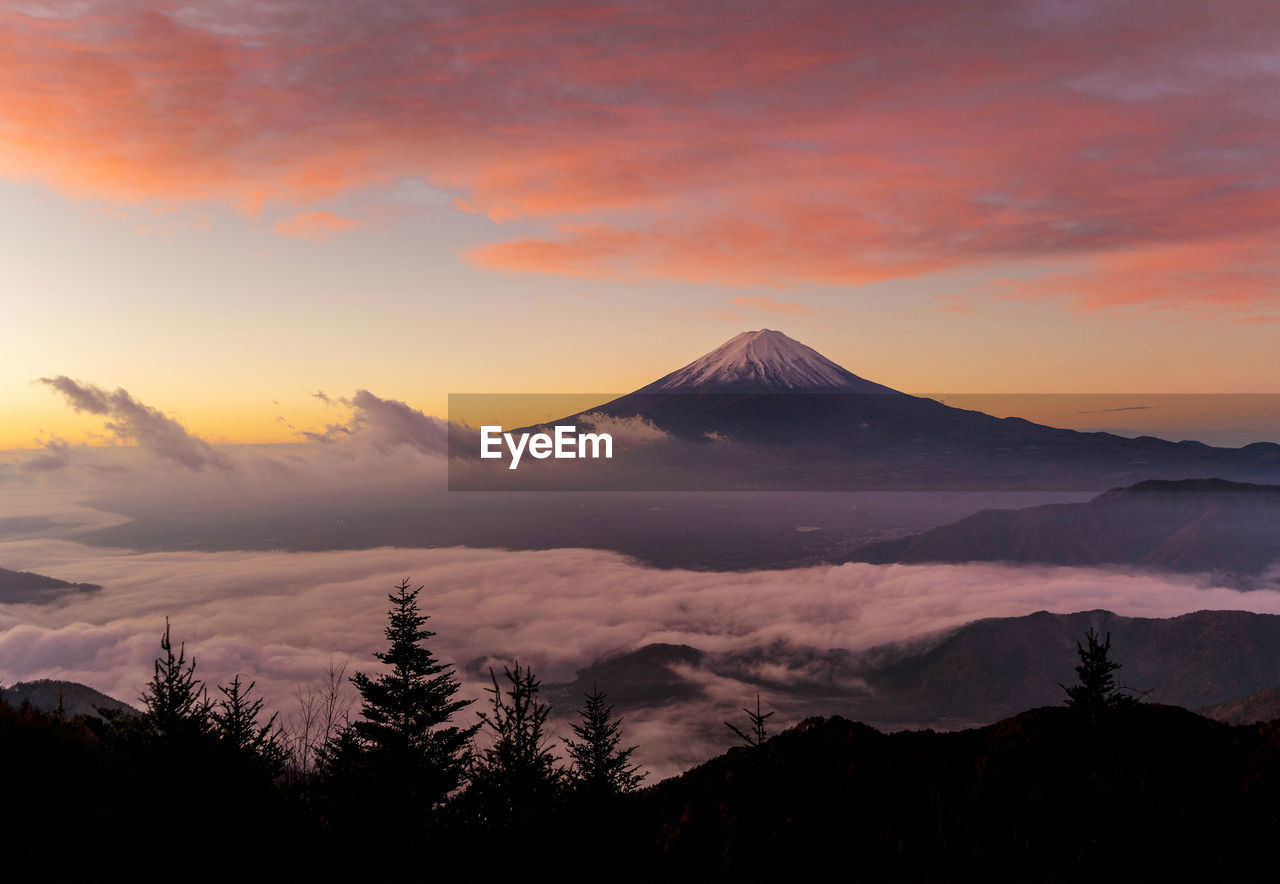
(228, 208)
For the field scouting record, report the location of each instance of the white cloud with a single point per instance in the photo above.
(279, 617)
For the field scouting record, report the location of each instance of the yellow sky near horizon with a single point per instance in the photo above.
(1219, 419)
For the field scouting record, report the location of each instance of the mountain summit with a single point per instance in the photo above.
(763, 411)
(764, 361)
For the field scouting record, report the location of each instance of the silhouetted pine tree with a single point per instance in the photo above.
(515, 779)
(403, 750)
(175, 703)
(600, 767)
(756, 736)
(234, 719)
(172, 749)
(1097, 692)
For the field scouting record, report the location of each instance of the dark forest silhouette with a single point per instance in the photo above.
(1103, 785)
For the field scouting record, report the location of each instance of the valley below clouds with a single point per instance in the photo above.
(281, 617)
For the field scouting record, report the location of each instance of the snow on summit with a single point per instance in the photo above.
(764, 361)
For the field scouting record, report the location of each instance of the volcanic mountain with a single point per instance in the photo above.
(795, 419)
(764, 361)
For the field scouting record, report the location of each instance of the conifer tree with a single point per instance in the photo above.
(175, 702)
(515, 778)
(600, 767)
(1097, 692)
(756, 736)
(234, 719)
(404, 744)
(171, 742)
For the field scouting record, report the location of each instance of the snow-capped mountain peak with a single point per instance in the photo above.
(764, 361)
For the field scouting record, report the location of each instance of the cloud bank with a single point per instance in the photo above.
(280, 617)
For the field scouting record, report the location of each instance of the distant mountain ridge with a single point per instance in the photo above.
(1188, 526)
(76, 699)
(24, 587)
(977, 673)
(1260, 706)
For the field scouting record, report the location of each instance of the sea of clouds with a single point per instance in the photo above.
(281, 618)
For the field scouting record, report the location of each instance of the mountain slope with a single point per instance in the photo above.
(1152, 793)
(764, 361)
(24, 587)
(639, 678)
(978, 673)
(1196, 525)
(799, 420)
(76, 699)
(1257, 707)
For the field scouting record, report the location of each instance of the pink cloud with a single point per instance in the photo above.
(953, 304)
(1233, 277)
(764, 302)
(816, 144)
(318, 226)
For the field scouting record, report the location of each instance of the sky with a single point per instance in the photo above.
(226, 207)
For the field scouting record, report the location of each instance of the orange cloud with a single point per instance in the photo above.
(1224, 278)
(792, 144)
(764, 302)
(318, 226)
(723, 251)
(953, 304)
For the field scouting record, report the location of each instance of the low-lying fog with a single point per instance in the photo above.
(272, 561)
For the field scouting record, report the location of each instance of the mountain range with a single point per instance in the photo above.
(975, 674)
(764, 411)
(1228, 529)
